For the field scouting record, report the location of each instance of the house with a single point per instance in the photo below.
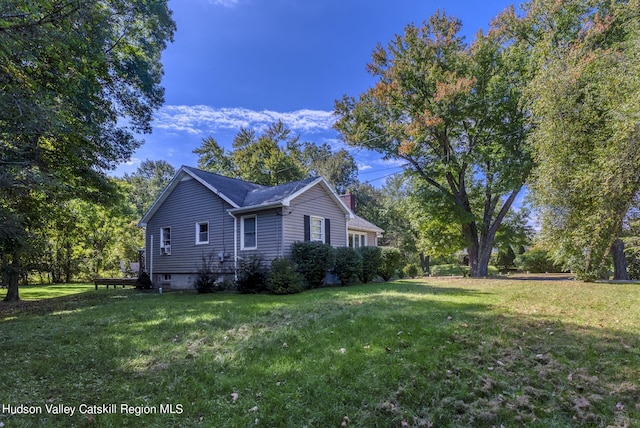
(201, 214)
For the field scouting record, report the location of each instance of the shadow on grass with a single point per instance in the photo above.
(380, 353)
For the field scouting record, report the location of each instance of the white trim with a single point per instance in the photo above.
(322, 235)
(242, 237)
(351, 238)
(235, 245)
(324, 183)
(180, 176)
(198, 224)
(165, 249)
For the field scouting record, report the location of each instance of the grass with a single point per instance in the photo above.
(433, 352)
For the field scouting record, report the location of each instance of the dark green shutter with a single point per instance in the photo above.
(307, 228)
(327, 231)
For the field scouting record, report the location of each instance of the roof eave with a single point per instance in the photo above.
(259, 207)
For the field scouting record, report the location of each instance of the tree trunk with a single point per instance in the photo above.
(425, 264)
(619, 261)
(13, 275)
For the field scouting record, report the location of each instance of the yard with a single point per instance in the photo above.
(430, 352)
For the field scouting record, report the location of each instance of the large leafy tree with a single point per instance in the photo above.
(78, 79)
(451, 111)
(147, 182)
(583, 92)
(276, 157)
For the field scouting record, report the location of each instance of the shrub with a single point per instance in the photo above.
(536, 260)
(284, 278)
(348, 264)
(206, 275)
(144, 281)
(252, 276)
(313, 259)
(371, 259)
(390, 261)
(633, 264)
(411, 270)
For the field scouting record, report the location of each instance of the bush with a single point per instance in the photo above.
(371, 260)
(536, 260)
(633, 264)
(390, 262)
(284, 278)
(313, 259)
(411, 270)
(252, 276)
(144, 281)
(206, 276)
(348, 264)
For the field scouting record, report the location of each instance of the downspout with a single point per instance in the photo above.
(235, 245)
(151, 261)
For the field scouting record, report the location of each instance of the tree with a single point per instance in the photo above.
(452, 112)
(276, 157)
(339, 168)
(147, 182)
(79, 79)
(584, 68)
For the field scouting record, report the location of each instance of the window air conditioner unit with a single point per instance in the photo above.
(165, 250)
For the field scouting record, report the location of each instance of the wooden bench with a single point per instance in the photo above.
(115, 282)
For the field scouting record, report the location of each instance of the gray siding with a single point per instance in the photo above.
(269, 239)
(189, 203)
(313, 202)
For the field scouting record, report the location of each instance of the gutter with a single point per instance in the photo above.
(235, 245)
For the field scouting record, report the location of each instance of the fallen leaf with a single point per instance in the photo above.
(570, 376)
(285, 345)
(343, 350)
(464, 324)
(619, 406)
(254, 409)
(234, 397)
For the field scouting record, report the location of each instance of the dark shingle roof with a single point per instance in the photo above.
(245, 194)
(232, 188)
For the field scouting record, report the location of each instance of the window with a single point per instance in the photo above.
(248, 232)
(202, 233)
(357, 240)
(317, 224)
(317, 229)
(165, 240)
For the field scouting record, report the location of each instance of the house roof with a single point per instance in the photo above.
(358, 223)
(242, 195)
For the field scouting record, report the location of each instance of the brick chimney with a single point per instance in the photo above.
(349, 200)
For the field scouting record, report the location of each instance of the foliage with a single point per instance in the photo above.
(284, 277)
(371, 262)
(348, 264)
(252, 275)
(276, 157)
(633, 264)
(505, 258)
(337, 342)
(584, 65)
(207, 275)
(79, 80)
(314, 259)
(147, 182)
(411, 271)
(390, 262)
(452, 112)
(537, 260)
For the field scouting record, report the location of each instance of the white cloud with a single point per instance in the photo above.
(224, 3)
(201, 119)
(363, 167)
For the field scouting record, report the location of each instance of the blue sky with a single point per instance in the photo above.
(248, 63)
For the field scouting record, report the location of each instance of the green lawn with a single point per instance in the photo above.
(433, 352)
